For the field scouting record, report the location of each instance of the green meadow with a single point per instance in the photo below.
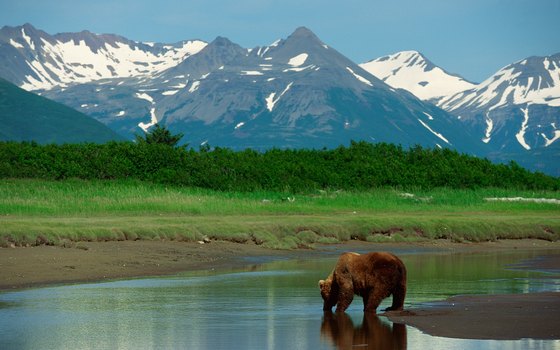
(65, 212)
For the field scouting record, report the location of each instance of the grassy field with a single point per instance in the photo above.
(47, 212)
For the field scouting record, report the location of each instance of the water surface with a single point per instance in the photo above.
(275, 305)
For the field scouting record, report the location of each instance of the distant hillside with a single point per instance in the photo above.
(25, 116)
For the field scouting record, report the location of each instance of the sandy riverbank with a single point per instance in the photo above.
(533, 315)
(504, 317)
(98, 261)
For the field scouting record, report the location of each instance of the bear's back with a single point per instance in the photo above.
(369, 263)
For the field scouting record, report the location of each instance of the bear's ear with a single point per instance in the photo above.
(321, 283)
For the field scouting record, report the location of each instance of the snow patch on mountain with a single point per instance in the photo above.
(27, 39)
(194, 86)
(251, 72)
(489, 128)
(300, 69)
(555, 136)
(16, 44)
(520, 136)
(153, 117)
(434, 132)
(153, 120)
(266, 67)
(359, 77)
(271, 101)
(275, 43)
(429, 116)
(298, 60)
(145, 96)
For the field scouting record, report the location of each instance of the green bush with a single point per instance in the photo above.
(360, 166)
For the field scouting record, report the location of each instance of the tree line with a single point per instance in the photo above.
(358, 166)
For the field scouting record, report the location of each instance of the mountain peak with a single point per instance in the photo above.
(28, 26)
(222, 45)
(410, 53)
(221, 41)
(534, 80)
(303, 33)
(301, 40)
(407, 58)
(412, 71)
(29, 30)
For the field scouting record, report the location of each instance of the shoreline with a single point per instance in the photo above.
(466, 317)
(38, 266)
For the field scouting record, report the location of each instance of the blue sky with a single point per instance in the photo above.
(473, 38)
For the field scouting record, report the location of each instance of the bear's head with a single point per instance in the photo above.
(329, 292)
(325, 286)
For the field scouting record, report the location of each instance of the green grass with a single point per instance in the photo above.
(37, 212)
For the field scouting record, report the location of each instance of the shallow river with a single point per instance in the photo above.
(273, 305)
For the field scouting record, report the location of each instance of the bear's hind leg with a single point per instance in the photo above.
(365, 297)
(398, 299)
(373, 301)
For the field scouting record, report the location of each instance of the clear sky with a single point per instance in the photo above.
(473, 38)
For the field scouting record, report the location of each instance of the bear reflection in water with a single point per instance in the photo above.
(371, 334)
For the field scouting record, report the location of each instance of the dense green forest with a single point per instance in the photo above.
(359, 166)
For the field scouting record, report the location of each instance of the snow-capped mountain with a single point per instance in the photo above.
(35, 60)
(534, 80)
(516, 111)
(295, 92)
(411, 71)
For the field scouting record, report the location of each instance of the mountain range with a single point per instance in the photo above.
(296, 92)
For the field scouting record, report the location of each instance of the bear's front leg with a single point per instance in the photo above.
(329, 303)
(345, 297)
(329, 292)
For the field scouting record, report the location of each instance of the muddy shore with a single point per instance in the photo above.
(533, 315)
(502, 317)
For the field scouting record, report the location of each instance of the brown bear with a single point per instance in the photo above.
(373, 276)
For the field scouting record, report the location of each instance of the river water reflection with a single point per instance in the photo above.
(268, 306)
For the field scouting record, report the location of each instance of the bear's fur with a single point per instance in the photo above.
(373, 276)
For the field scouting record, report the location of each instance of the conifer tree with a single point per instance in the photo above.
(159, 135)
